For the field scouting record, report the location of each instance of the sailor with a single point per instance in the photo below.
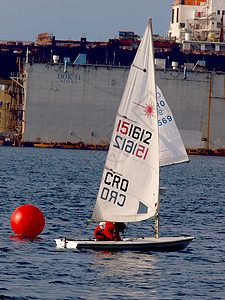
(109, 231)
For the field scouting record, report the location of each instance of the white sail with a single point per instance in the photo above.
(130, 182)
(171, 147)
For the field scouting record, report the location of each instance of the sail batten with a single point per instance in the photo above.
(129, 193)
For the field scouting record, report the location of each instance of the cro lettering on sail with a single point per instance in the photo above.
(114, 188)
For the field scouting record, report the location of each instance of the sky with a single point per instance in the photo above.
(97, 20)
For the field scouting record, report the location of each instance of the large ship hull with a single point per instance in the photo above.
(78, 103)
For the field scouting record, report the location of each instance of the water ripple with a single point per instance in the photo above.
(64, 185)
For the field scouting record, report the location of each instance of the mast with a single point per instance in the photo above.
(157, 225)
(157, 211)
(157, 221)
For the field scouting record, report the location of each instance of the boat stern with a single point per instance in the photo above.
(63, 243)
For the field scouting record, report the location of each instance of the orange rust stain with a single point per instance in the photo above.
(190, 2)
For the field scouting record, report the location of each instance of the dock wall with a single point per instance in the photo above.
(79, 103)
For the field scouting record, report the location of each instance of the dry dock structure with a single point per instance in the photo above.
(78, 103)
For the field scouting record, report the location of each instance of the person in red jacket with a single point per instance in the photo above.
(108, 231)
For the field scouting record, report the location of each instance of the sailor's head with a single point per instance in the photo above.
(120, 227)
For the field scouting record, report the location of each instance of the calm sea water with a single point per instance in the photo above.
(64, 185)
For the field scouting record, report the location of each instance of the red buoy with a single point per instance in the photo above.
(27, 221)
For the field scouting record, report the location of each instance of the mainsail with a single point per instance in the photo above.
(171, 147)
(130, 183)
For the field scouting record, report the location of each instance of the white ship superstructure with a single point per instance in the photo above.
(198, 20)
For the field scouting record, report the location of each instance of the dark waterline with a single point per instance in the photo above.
(64, 185)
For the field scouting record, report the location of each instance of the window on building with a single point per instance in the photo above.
(223, 12)
(172, 15)
(218, 12)
(218, 24)
(177, 14)
(1, 104)
(182, 25)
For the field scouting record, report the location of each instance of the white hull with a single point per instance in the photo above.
(134, 244)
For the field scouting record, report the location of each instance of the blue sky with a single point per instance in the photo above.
(97, 20)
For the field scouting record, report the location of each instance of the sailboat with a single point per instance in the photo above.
(129, 189)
